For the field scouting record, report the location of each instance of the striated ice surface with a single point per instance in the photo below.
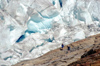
(31, 28)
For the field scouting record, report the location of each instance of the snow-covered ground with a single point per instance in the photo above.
(31, 28)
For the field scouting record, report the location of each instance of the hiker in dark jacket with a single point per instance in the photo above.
(62, 46)
(68, 48)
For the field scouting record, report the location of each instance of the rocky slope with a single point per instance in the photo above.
(79, 51)
(90, 58)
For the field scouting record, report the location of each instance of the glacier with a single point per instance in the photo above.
(31, 28)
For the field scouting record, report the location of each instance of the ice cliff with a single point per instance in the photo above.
(31, 28)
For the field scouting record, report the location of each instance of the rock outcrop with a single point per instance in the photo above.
(90, 58)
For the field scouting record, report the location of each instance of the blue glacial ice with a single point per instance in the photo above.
(34, 27)
(38, 27)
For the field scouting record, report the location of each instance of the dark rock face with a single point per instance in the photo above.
(88, 53)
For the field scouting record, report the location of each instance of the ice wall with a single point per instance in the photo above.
(31, 25)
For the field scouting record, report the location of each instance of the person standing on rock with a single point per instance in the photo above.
(62, 46)
(68, 48)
